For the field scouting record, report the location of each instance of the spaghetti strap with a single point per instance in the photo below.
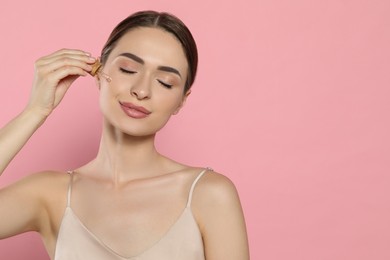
(193, 185)
(69, 188)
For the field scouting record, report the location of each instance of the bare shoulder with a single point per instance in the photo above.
(43, 182)
(48, 188)
(218, 212)
(215, 195)
(215, 188)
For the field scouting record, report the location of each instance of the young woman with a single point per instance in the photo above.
(130, 202)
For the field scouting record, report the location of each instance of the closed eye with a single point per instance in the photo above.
(127, 71)
(164, 84)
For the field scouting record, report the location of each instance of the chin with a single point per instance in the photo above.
(136, 129)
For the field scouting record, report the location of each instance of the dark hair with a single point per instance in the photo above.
(165, 21)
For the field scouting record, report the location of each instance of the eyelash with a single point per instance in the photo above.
(159, 81)
(127, 71)
(165, 84)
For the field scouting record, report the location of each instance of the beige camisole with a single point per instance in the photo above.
(183, 241)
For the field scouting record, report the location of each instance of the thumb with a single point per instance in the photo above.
(63, 87)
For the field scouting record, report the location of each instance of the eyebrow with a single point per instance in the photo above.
(141, 61)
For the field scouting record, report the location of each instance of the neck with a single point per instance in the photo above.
(122, 157)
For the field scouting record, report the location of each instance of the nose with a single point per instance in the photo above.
(141, 88)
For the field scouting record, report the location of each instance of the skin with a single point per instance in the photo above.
(128, 169)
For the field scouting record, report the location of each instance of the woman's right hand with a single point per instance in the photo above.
(54, 74)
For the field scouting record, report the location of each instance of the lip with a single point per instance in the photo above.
(134, 111)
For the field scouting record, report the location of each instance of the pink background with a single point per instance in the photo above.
(291, 102)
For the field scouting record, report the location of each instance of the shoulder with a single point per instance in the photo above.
(217, 210)
(42, 186)
(46, 180)
(215, 196)
(215, 188)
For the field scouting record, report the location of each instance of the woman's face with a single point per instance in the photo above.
(148, 71)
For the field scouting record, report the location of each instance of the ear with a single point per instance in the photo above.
(183, 101)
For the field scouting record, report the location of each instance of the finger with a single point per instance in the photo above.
(65, 52)
(51, 58)
(53, 62)
(64, 87)
(61, 73)
(75, 54)
(66, 61)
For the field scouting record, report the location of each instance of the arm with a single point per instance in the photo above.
(15, 134)
(53, 76)
(221, 219)
(23, 205)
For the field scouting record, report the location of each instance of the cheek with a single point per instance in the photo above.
(168, 104)
(107, 98)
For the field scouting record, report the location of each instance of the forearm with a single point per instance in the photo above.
(15, 135)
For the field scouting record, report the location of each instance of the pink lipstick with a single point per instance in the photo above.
(134, 111)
